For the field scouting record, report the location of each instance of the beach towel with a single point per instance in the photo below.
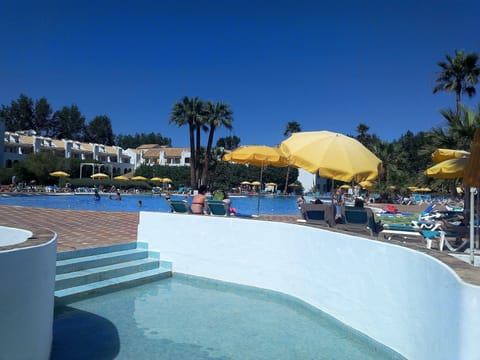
(390, 209)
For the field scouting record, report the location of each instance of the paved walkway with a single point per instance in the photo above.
(86, 229)
(75, 229)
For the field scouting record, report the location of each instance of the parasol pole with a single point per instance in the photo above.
(473, 191)
(258, 199)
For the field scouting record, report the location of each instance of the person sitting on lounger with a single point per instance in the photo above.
(199, 205)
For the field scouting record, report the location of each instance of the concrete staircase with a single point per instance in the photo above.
(92, 271)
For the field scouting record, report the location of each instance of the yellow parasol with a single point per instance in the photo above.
(367, 184)
(59, 174)
(472, 179)
(245, 183)
(440, 155)
(448, 169)
(332, 155)
(258, 155)
(256, 183)
(425, 189)
(99, 176)
(167, 180)
(157, 179)
(139, 178)
(121, 177)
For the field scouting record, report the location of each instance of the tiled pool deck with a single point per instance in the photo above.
(86, 229)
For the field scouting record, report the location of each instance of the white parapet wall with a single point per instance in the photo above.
(27, 284)
(404, 299)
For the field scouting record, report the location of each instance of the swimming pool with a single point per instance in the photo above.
(271, 205)
(192, 318)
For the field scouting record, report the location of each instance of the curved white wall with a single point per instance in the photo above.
(27, 284)
(404, 299)
(12, 236)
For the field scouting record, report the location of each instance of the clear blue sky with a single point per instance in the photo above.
(329, 65)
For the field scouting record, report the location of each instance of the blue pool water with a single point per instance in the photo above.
(247, 205)
(191, 318)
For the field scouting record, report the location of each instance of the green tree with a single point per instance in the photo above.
(37, 167)
(229, 142)
(134, 141)
(362, 130)
(99, 131)
(215, 116)
(292, 127)
(458, 131)
(68, 123)
(459, 74)
(188, 112)
(19, 115)
(42, 116)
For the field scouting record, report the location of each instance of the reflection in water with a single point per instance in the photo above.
(82, 335)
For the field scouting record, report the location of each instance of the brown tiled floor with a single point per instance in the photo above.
(85, 229)
(75, 229)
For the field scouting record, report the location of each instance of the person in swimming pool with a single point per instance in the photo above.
(199, 205)
(96, 195)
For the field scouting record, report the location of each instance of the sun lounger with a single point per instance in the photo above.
(317, 214)
(218, 208)
(403, 231)
(180, 207)
(455, 237)
(357, 219)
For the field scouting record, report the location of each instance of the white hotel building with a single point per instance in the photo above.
(17, 146)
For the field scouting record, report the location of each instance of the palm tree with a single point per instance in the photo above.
(292, 127)
(458, 134)
(459, 74)
(460, 129)
(362, 130)
(215, 116)
(188, 112)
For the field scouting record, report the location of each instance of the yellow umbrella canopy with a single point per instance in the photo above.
(271, 184)
(99, 176)
(257, 155)
(425, 189)
(472, 179)
(245, 183)
(59, 174)
(412, 188)
(157, 179)
(167, 180)
(332, 155)
(367, 184)
(345, 186)
(139, 178)
(121, 177)
(448, 169)
(472, 172)
(440, 155)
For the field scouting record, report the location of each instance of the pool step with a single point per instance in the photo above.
(98, 270)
